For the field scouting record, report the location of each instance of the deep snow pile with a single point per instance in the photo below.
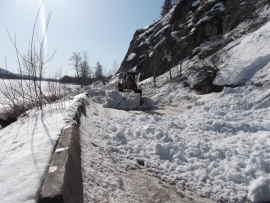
(119, 100)
(110, 97)
(26, 147)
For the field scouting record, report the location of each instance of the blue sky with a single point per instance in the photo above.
(104, 28)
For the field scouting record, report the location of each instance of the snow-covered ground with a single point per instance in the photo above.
(218, 145)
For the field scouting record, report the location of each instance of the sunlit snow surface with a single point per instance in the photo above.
(220, 146)
(26, 147)
(217, 149)
(246, 57)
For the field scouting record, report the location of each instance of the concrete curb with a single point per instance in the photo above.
(63, 180)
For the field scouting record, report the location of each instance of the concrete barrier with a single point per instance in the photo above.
(63, 180)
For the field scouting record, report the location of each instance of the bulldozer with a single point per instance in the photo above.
(128, 81)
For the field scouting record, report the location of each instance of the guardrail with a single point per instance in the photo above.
(63, 179)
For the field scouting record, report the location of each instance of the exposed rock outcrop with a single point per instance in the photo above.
(195, 29)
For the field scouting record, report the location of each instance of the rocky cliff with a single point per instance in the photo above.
(194, 30)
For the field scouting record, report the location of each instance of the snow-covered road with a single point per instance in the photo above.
(107, 178)
(215, 145)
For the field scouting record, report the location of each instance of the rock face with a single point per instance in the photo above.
(193, 29)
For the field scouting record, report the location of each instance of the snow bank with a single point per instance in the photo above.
(112, 84)
(26, 148)
(128, 100)
(95, 89)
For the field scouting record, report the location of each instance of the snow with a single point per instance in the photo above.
(26, 148)
(206, 147)
(131, 57)
(174, 35)
(217, 146)
(259, 190)
(165, 20)
(218, 7)
(163, 30)
(117, 100)
(195, 3)
(246, 58)
(204, 19)
(160, 43)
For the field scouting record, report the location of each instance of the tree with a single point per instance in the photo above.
(27, 92)
(98, 71)
(76, 61)
(166, 7)
(81, 66)
(84, 68)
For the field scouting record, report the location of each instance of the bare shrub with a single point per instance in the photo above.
(25, 93)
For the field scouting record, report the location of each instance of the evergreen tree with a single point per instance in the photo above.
(166, 7)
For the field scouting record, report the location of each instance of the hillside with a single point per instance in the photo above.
(195, 31)
(5, 74)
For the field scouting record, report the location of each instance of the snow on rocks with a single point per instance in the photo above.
(195, 3)
(218, 7)
(245, 58)
(131, 57)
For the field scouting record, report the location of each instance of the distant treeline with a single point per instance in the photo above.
(87, 81)
(24, 77)
(65, 79)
